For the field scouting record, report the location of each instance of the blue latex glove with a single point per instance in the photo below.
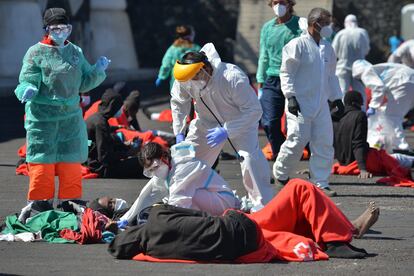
(122, 224)
(102, 63)
(179, 138)
(28, 94)
(158, 82)
(259, 93)
(371, 111)
(216, 136)
(120, 136)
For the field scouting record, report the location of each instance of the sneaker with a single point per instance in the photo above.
(327, 191)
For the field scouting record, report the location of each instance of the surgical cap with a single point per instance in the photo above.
(54, 16)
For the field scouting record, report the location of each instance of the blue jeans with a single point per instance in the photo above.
(273, 105)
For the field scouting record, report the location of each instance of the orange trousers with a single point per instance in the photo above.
(42, 181)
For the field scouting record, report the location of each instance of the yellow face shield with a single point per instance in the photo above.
(185, 72)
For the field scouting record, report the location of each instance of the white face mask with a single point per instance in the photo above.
(280, 10)
(158, 169)
(326, 31)
(197, 88)
(120, 204)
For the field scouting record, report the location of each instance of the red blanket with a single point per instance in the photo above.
(90, 230)
(293, 226)
(379, 162)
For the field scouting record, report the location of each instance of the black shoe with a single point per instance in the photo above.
(344, 250)
(327, 191)
(282, 182)
(227, 156)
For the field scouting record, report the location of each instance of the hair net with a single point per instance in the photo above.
(54, 16)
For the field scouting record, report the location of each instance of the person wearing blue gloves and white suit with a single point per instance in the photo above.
(226, 107)
(393, 81)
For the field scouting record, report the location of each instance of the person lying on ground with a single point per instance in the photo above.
(300, 224)
(350, 142)
(108, 155)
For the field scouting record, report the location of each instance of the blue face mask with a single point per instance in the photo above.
(59, 38)
(118, 114)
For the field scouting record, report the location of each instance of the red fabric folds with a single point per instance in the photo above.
(293, 226)
(379, 162)
(90, 232)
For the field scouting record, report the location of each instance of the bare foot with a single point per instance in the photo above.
(366, 220)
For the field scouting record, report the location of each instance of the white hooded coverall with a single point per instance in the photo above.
(308, 73)
(231, 98)
(190, 184)
(404, 54)
(396, 83)
(350, 44)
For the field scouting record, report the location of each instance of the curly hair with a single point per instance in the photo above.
(151, 151)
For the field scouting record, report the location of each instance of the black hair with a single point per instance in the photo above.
(353, 98)
(151, 151)
(195, 57)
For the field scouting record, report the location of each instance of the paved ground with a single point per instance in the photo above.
(391, 243)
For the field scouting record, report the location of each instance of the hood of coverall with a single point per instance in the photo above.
(111, 102)
(359, 67)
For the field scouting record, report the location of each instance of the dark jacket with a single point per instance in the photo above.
(105, 149)
(350, 137)
(180, 233)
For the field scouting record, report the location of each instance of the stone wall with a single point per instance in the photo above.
(379, 17)
(153, 25)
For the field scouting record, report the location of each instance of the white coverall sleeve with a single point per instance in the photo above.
(154, 191)
(244, 97)
(184, 184)
(335, 43)
(335, 91)
(371, 80)
(290, 64)
(180, 107)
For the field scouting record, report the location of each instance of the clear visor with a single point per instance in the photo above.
(149, 172)
(61, 28)
(199, 82)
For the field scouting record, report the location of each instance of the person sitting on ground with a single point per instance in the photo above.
(108, 156)
(350, 141)
(300, 224)
(179, 179)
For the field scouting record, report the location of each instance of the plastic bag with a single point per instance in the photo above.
(381, 133)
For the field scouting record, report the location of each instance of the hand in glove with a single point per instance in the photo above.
(158, 82)
(102, 63)
(340, 108)
(371, 111)
(28, 94)
(122, 224)
(293, 106)
(179, 138)
(259, 93)
(216, 136)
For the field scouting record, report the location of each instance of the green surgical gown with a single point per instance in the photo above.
(56, 131)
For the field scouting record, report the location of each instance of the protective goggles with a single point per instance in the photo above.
(149, 172)
(61, 28)
(186, 69)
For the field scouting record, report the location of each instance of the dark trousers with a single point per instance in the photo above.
(273, 105)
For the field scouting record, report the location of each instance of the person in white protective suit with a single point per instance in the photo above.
(308, 81)
(392, 81)
(227, 108)
(181, 180)
(350, 44)
(404, 54)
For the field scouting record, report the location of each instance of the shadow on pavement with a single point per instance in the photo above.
(379, 195)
